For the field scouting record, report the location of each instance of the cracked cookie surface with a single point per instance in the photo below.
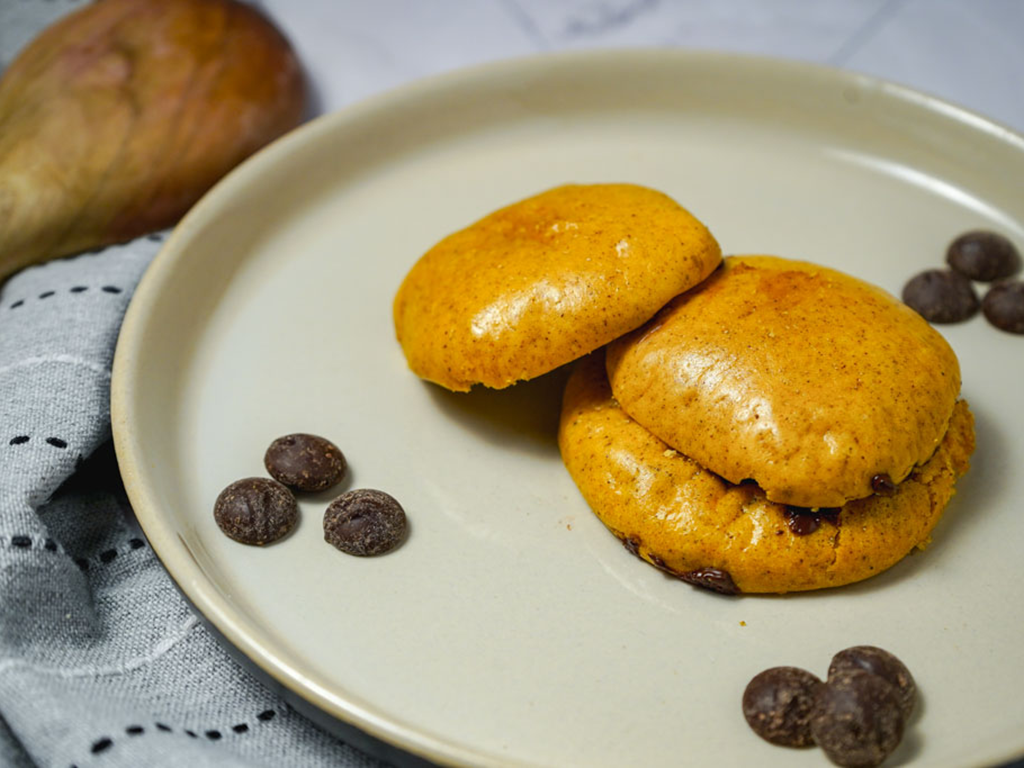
(682, 518)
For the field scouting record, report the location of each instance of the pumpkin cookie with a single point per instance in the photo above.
(546, 280)
(689, 522)
(816, 385)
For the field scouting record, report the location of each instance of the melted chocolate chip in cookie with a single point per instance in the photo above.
(714, 579)
(632, 544)
(803, 521)
(883, 485)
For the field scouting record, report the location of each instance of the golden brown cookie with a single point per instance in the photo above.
(693, 524)
(546, 280)
(816, 385)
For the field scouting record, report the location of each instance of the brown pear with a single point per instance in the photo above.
(118, 117)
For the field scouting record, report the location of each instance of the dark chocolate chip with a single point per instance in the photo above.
(831, 515)
(240, 728)
(661, 565)
(941, 296)
(364, 523)
(802, 523)
(135, 730)
(857, 719)
(777, 704)
(306, 462)
(163, 727)
(882, 663)
(984, 256)
(266, 715)
(632, 545)
(213, 735)
(1003, 306)
(101, 745)
(883, 485)
(256, 510)
(714, 579)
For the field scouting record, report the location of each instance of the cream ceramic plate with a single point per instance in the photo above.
(511, 628)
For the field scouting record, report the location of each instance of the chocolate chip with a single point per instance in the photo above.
(306, 462)
(881, 663)
(256, 510)
(632, 545)
(982, 255)
(800, 523)
(803, 521)
(1003, 306)
(941, 296)
(883, 485)
(364, 523)
(777, 704)
(831, 515)
(714, 579)
(857, 719)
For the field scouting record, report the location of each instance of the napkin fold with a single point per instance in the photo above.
(102, 663)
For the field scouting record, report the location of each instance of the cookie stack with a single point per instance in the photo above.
(749, 425)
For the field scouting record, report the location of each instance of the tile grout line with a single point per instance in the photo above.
(865, 32)
(526, 23)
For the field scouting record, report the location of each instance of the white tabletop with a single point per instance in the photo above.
(966, 51)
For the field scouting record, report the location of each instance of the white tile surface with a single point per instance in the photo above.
(968, 52)
(793, 28)
(354, 49)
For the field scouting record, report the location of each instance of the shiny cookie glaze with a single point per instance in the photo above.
(680, 517)
(806, 380)
(546, 280)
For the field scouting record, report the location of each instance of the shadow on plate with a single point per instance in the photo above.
(976, 492)
(910, 747)
(523, 416)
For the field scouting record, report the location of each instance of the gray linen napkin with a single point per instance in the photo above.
(101, 661)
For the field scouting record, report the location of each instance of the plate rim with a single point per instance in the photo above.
(174, 555)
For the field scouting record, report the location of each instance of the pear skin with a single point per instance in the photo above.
(118, 117)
